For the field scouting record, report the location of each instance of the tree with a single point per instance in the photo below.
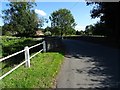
(20, 19)
(108, 13)
(99, 29)
(62, 22)
(79, 32)
(0, 28)
(47, 31)
(89, 29)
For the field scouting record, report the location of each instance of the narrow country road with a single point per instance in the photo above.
(89, 65)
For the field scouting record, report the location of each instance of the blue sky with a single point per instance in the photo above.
(79, 10)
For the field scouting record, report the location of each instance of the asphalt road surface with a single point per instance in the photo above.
(89, 65)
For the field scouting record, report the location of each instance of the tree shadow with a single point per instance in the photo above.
(104, 62)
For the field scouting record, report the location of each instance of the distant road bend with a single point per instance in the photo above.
(89, 65)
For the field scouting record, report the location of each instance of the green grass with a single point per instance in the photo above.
(11, 45)
(41, 74)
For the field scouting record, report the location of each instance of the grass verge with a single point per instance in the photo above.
(41, 74)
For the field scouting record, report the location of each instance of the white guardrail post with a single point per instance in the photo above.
(44, 46)
(27, 56)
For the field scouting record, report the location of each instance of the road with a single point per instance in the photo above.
(89, 65)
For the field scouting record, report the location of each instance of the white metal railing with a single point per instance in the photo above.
(27, 57)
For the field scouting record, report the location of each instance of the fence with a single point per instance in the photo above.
(27, 57)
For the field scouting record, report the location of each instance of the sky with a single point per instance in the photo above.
(79, 10)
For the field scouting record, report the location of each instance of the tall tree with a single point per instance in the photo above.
(89, 29)
(0, 30)
(109, 15)
(100, 29)
(62, 22)
(21, 19)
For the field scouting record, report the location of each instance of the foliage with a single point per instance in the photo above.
(41, 74)
(20, 19)
(0, 30)
(80, 32)
(11, 45)
(89, 29)
(62, 22)
(48, 33)
(47, 29)
(99, 29)
(108, 13)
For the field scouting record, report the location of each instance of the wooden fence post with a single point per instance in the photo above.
(27, 56)
(44, 46)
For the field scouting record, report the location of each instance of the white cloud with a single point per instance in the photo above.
(79, 28)
(40, 12)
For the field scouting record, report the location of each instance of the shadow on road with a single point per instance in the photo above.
(103, 62)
